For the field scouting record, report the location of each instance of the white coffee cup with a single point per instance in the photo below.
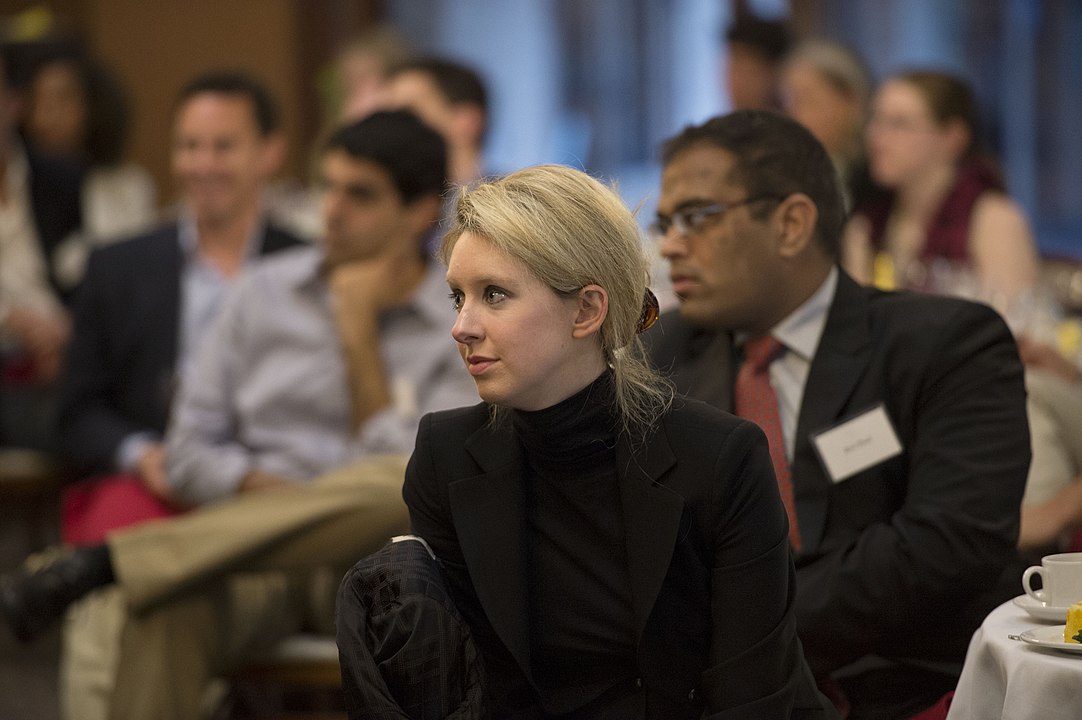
(1061, 576)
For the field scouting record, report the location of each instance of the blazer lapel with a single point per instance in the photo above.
(652, 516)
(700, 362)
(713, 383)
(160, 292)
(489, 512)
(838, 366)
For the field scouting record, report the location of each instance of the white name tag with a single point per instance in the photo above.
(857, 444)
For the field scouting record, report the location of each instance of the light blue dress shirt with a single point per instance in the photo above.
(202, 287)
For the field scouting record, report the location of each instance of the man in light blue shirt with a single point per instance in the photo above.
(321, 358)
(146, 303)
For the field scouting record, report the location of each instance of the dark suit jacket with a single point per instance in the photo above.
(119, 374)
(899, 559)
(707, 553)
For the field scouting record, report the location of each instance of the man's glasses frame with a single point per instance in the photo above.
(691, 220)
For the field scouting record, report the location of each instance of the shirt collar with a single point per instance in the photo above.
(188, 235)
(801, 329)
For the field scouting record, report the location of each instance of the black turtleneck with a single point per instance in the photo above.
(581, 618)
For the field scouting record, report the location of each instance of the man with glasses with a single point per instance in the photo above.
(896, 422)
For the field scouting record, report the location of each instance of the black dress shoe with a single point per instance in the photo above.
(33, 599)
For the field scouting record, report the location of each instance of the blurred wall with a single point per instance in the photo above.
(157, 47)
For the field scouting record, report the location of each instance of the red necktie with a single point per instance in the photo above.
(755, 400)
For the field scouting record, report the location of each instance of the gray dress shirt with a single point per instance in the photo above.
(269, 389)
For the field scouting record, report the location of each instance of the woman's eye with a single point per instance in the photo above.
(456, 300)
(494, 295)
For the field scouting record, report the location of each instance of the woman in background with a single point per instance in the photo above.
(616, 551)
(947, 223)
(77, 110)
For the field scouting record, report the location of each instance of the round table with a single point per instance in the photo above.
(1012, 680)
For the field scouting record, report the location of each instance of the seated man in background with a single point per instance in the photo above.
(140, 318)
(897, 422)
(754, 51)
(321, 358)
(146, 303)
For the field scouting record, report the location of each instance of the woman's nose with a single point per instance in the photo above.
(465, 330)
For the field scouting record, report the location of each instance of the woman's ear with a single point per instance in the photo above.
(592, 308)
(959, 137)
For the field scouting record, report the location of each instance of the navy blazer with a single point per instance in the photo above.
(707, 555)
(119, 376)
(901, 560)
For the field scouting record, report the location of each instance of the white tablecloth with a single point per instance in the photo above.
(1012, 680)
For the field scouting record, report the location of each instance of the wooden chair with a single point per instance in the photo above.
(29, 492)
(299, 680)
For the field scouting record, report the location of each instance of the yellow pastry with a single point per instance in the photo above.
(1072, 633)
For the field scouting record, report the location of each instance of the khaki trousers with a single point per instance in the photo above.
(203, 593)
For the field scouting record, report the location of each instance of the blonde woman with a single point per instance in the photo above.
(617, 551)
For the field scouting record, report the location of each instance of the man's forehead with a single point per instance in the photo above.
(197, 107)
(339, 166)
(698, 170)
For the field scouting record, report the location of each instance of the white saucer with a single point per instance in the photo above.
(1050, 637)
(1040, 611)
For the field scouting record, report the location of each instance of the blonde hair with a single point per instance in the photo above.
(571, 231)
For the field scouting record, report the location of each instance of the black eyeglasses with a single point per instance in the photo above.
(692, 220)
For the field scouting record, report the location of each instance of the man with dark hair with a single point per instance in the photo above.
(897, 422)
(754, 51)
(145, 302)
(322, 359)
(450, 98)
(139, 320)
(264, 109)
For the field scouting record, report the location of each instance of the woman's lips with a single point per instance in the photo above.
(478, 365)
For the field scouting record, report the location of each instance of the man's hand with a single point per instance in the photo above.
(367, 287)
(151, 470)
(259, 480)
(360, 291)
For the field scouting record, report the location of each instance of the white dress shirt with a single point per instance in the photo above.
(799, 332)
